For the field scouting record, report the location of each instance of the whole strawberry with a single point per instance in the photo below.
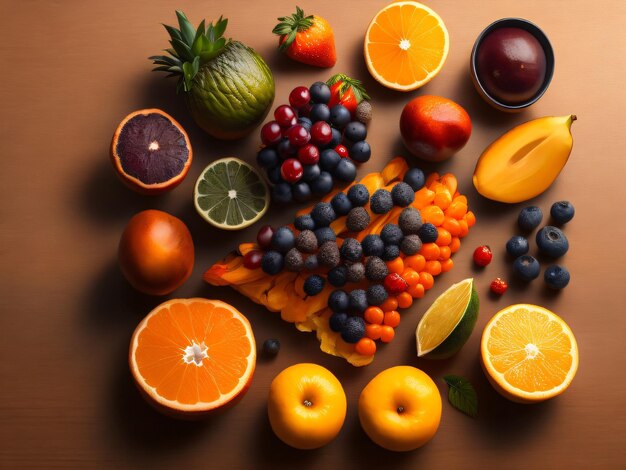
(307, 39)
(346, 91)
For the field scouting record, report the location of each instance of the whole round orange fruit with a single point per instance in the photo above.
(306, 406)
(434, 128)
(156, 252)
(400, 408)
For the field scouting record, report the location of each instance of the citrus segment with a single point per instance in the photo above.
(193, 355)
(529, 353)
(449, 321)
(406, 45)
(230, 194)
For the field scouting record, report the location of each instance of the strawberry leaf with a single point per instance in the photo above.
(290, 26)
(349, 83)
(461, 395)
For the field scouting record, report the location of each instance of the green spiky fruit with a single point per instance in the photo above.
(227, 86)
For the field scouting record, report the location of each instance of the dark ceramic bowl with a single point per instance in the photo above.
(547, 49)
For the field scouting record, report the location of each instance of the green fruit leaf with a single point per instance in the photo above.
(220, 27)
(182, 50)
(173, 32)
(187, 31)
(461, 395)
(190, 69)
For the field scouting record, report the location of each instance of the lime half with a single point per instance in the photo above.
(230, 194)
(449, 322)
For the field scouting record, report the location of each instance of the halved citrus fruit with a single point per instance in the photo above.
(150, 151)
(230, 194)
(449, 322)
(406, 44)
(528, 353)
(192, 356)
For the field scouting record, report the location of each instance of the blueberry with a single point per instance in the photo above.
(339, 116)
(267, 157)
(337, 277)
(410, 221)
(286, 150)
(428, 233)
(358, 301)
(283, 239)
(358, 195)
(358, 219)
(373, 245)
(402, 194)
(271, 347)
(360, 151)
(341, 204)
(319, 112)
(345, 171)
(529, 218)
(310, 172)
(310, 263)
(323, 214)
(552, 241)
(355, 131)
(320, 92)
(517, 246)
(527, 267)
(351, 250)
(325, 234)
(272, 262)
(391, 252)
(410, 245)
(301, 191)
(415, 178)
(282, 193)
(273, 174)
(381, 201)
(338, 301)
(391, 234)
(314, 284)
(304, 222)
(323, 184)
(376, 294)
(329, 159)
(305, 122)
(375, 269)
(337, 321)
(556, 277)
(353, 330)
(335, 140)
(562, 212)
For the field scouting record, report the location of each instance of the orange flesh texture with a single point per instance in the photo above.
(405, 23)
(508, 350)
(161, 347)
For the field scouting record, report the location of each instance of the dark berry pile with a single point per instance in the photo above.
(309, 145)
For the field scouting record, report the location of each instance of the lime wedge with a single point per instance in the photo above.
(449, 322)
(230, 194)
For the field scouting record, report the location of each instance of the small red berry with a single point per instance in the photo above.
(482, 255)
(299, 97)
(342, 151)
(264, 237)
(395, 284)
(291, 170)
(309, 154)
(498, 286)
(252, 259)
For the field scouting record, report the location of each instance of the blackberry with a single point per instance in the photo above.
(272, 262)
(410, 245)
(325, 234)
(381, 201)
(338, 301)
(304, 222)
(358, 195)
(410, 221)
(373, 245)
(428, 233)
(328, 255)
(376, 294)
(402, 194)
(415, 178)
(310, 263)
(391, 234)
(306, 241)
(358, 301)
(355, 272)
(337, 276)
(391, 252)
(294, 261)
(337, 321)
(283, 239)
(353, 330)
(375, 269)
(351, 250)
(314, 284)
(358, 219)
(341, 204)
(323, 214)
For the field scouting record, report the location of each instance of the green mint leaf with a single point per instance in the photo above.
(461, 395)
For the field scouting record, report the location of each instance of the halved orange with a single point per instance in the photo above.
(529, 353)
(192, 356)
(150, 151)
(406, 44)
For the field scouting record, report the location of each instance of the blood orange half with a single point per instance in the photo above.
(150, 151)
(192, 356)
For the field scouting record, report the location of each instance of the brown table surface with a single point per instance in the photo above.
(72, 70)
